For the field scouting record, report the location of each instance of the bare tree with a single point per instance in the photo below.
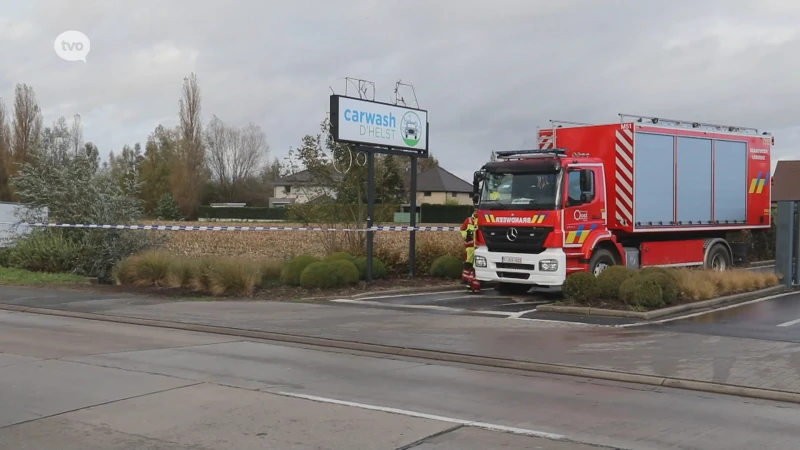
(5, 155)
(189, 171)
(190, 122)
(234, 155)
(27, 123)
(76, 134)
(5, 130)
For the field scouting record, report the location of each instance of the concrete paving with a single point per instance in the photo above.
(189, 392)
(773, 365)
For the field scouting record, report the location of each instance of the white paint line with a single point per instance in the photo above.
(19, 299)
(471, 296)
(701, 313)
(525, 303)
(410, 295)
(420, 415)
(790, 323)
(519, 315)
(423, 307)
(460, 291)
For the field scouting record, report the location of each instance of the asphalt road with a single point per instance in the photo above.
(487, 301)
(78, 384)
(776, 319)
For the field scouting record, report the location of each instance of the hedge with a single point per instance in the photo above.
(335, 213)
(430, 213)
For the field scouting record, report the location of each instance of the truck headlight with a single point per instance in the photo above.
(480, 261)
(548, 265)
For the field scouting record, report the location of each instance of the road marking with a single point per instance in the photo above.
(542, 302)
(425, 307)
(377, 297)
(410, 295)
(790, 323)
(701, 313)
(19, 299)
(420, 415)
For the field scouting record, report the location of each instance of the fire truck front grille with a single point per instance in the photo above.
(515, 239)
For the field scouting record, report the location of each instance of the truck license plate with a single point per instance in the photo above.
(512, 259)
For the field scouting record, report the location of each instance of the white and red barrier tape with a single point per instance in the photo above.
(224, 228)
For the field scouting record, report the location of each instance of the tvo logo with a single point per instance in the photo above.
(581, 215)
(72, 46)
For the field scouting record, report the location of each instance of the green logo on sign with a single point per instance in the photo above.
(411, 128)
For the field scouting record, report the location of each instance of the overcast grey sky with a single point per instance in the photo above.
(489, 72)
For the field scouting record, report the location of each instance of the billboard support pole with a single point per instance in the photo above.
(412, 235)
(370, 212)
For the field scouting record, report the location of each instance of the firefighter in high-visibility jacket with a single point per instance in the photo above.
(469, 230)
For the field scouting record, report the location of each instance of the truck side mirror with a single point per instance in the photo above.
(587, 180)
(477, 177)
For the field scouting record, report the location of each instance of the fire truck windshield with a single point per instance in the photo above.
(522, 191)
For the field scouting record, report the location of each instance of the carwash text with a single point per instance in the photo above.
(382, 126)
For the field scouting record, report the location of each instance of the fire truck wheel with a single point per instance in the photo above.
(601, 260)
(718, 258)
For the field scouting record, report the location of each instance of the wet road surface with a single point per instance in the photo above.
(488, 300)
(72, 384)
(775, 319)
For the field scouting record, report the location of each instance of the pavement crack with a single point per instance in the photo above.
(427, 438)
(161, 391)
(179, 347)
(127, 370)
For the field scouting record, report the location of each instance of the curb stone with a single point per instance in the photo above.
(765, 263)
(659, 313)
(435, 355)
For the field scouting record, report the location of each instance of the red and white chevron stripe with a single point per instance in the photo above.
(546, 139)
(624, 175)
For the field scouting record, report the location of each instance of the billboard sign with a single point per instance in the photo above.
(366, 122)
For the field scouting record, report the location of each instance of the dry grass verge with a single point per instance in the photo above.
(696, 285)
(162, 272)
(654, 287)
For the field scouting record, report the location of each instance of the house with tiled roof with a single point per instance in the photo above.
(438, 186)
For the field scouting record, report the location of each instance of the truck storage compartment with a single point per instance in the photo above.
(653, 179)
(684, 181)
(730, 181)
(693, 181)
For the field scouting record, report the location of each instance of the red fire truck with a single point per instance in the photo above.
(643, 192)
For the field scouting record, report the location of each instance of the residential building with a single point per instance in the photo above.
(785, 181)
(435, 185)
(300, 187)
(438, 186)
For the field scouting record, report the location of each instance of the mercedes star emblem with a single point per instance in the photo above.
(512, 234)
